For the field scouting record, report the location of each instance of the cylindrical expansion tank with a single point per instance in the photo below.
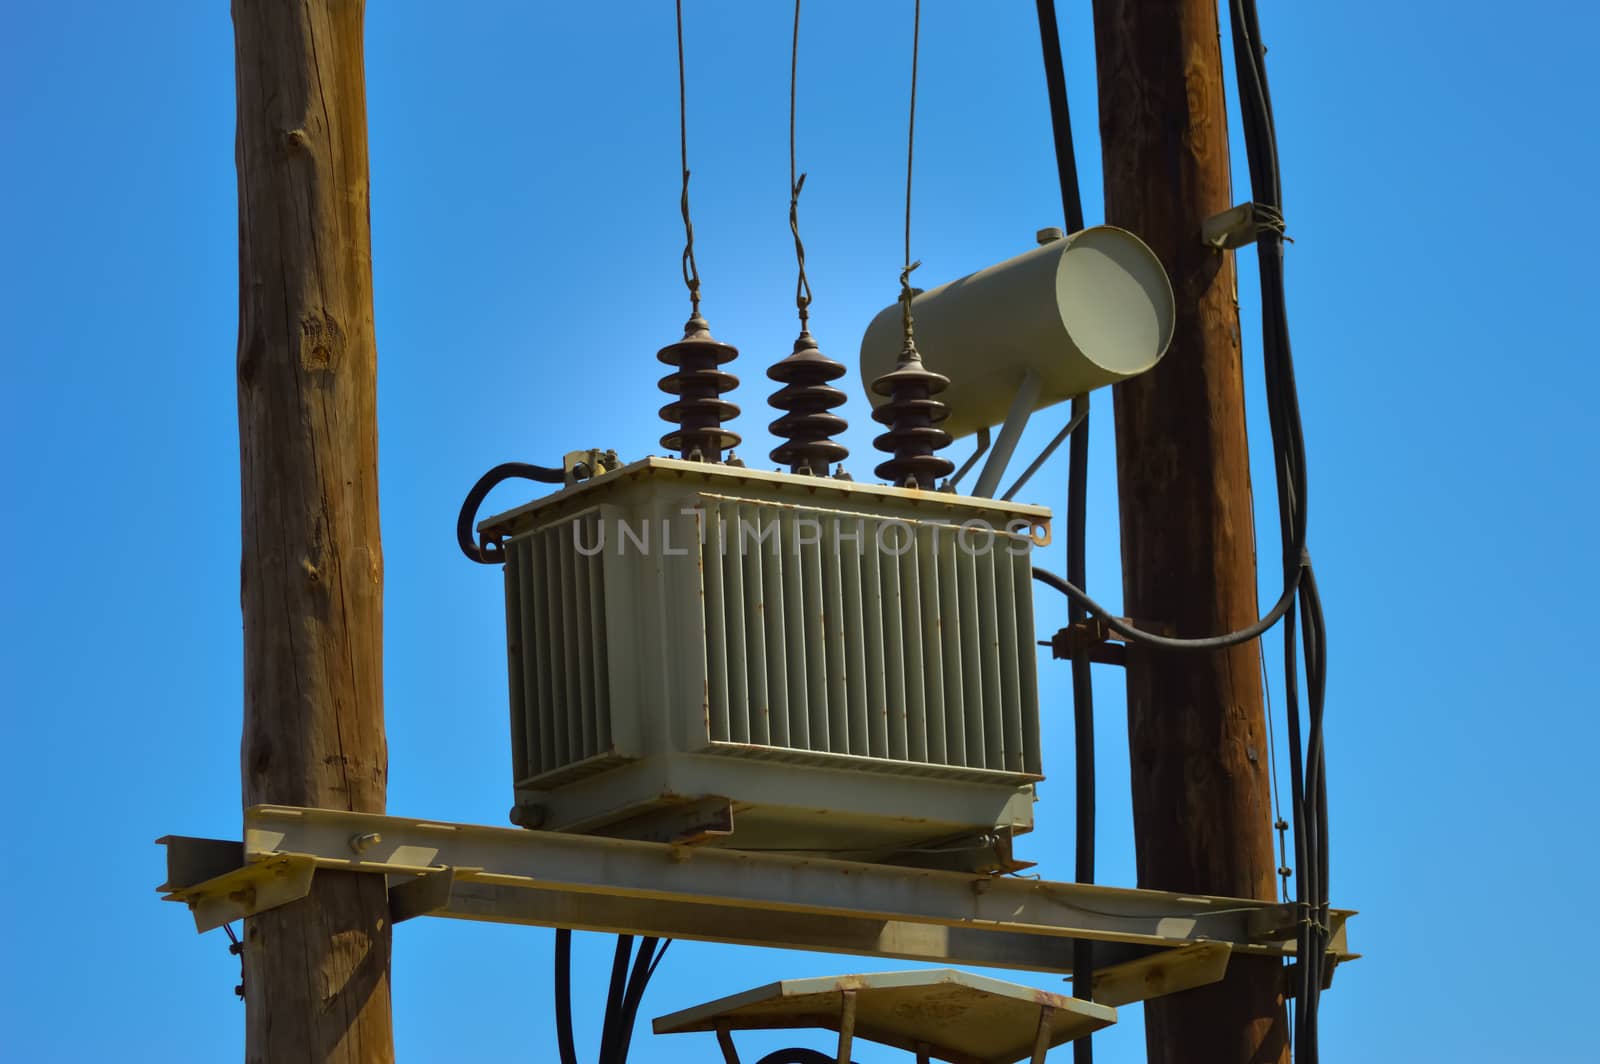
(1083, 311)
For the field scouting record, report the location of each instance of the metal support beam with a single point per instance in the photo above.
(1010, 432)
(725, 1039)
(509, 875)
(847, 1025)
(1050, 448)
(1041, 1040)
(972, 460)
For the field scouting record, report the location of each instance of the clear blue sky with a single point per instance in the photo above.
(526, 240)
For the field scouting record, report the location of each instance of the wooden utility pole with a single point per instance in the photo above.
(1196, 730)
(316, 971)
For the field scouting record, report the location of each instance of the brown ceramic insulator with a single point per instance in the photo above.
(698, 413)
(912, 416)
(806, 399)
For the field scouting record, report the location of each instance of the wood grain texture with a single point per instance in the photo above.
(1197, 733)
(317, 971)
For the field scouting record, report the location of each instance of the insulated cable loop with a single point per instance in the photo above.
(490, 551)
(1139, 635)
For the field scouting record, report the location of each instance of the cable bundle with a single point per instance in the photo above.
(1307, 780)
(1308, 783)
(622, 1000)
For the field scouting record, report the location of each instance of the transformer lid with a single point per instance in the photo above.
(781, 488)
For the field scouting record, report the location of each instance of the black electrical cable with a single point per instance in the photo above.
(1077, 524)
(1060, 117)
(625, 994)
(1316, 772)
(1297, 808)
(797, 1055)
(1082, 711)
(619, 974)
(662, 952)
(1139, 635)
(490, 552)
(637, 981)
(564, 1043)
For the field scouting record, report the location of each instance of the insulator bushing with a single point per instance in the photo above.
(806, 399)
(912, 416)
(698, 413)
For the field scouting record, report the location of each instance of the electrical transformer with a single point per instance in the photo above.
(704, 652)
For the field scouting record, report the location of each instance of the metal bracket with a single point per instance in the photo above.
(1291, 977)
(1238, 226)
(1161, 973)
(586, 465)
(423, 895)
(686, 824)
(979, 854)
(243, 890)
(1278, 922)
(1092, 636)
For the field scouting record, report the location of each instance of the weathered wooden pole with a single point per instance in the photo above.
(1196, 730)
(317, 971)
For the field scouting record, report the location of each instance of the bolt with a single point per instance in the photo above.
(1048, 235)
(365, 841)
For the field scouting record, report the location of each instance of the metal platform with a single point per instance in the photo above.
(939, 1015)
(1155, 943)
